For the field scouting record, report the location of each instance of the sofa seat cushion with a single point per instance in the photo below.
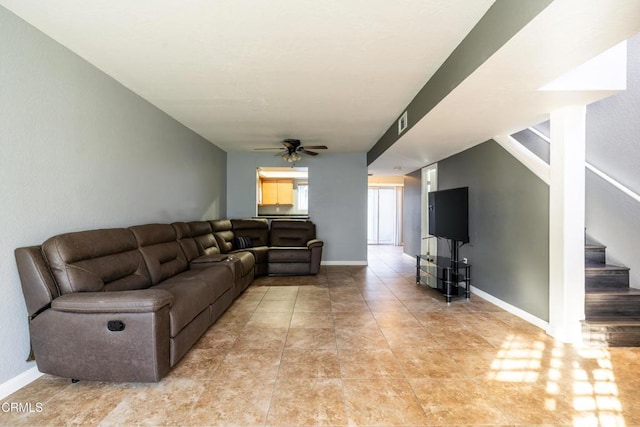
(277, 255)
(190, 298)
(218, 278)
(247, 261)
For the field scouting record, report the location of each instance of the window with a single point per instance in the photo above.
(303, 197)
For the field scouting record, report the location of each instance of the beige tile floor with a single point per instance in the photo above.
(360, 346)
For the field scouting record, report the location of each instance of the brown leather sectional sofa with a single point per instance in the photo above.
(126, 304)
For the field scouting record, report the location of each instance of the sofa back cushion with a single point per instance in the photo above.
(291, 232)
(96, 260)
(222, 231)
(188, 245)
(182, 230)
(203, 236)
(160, 249)
(255, 229)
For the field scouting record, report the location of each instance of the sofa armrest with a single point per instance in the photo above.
(209, 258)
(209, 261)
(315, 243)
(105, 337)
(315, 247)
(138, 301)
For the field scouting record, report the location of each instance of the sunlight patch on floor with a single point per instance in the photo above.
(586, 381)
(517, 361)
(595, 393)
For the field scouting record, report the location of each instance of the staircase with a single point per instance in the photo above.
(612, 308)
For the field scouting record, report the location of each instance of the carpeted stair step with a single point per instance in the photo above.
(604, 276)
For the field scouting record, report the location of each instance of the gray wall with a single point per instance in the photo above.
(534, 143)
(80, 151)
(508, 225)
(613, 126)
(411, 221)
(337, 197)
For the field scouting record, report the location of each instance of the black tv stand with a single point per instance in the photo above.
(448, 275)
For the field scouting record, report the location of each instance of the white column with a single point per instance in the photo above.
(566, 223)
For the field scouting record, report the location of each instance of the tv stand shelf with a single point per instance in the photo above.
(452, 278)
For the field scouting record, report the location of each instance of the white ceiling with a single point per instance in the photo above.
(247, 74)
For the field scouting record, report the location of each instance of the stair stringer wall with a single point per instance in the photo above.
(613, 146)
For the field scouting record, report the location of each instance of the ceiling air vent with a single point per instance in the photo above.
(402, 123)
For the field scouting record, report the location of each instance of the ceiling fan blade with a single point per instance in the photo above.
(291, 144)
(315, 147)
(305, 151)
(271, 149)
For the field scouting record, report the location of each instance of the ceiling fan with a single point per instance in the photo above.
(292, 150)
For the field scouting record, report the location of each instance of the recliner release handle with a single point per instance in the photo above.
(115, 325)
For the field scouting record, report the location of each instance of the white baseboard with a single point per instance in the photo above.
(343, 263)
(412, 257)
(536, 321)
(19, 381)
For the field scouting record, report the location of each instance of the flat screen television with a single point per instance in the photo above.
(449, 214)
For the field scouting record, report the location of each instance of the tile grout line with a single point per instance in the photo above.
(277, 377)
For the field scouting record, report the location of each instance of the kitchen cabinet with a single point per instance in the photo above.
(277, 191)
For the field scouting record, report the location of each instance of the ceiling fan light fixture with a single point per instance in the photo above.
(294, 157)
(291, 157)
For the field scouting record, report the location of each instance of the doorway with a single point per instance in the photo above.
(428, 243)
(384, 225)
